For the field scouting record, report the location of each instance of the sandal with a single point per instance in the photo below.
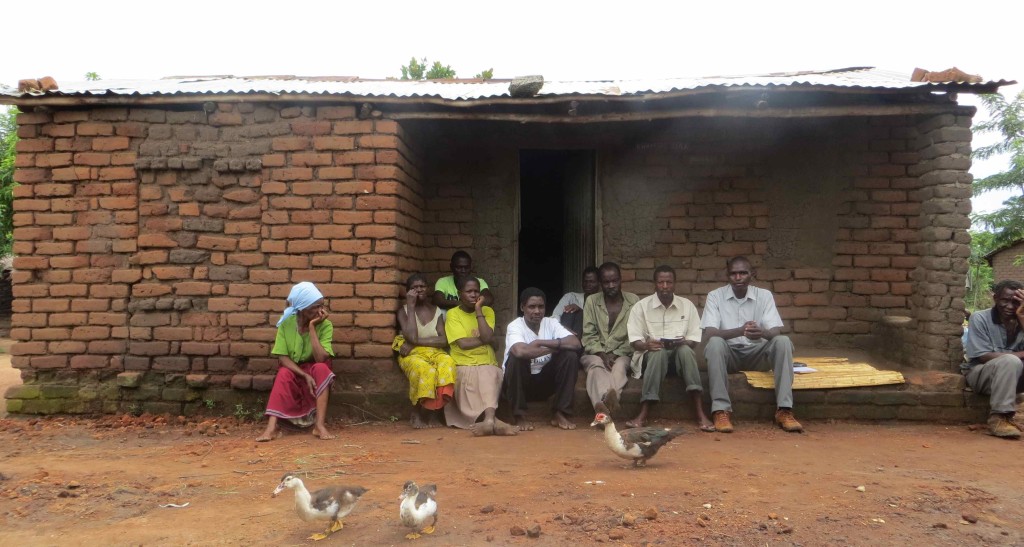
(707, 428)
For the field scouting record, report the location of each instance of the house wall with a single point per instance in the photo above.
(858, 225)
(1003, 266)
(157, 246)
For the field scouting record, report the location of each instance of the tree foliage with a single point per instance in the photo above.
(8, 140)
(92, 76)
(1008, 121)
(979, 275)
(422, 69)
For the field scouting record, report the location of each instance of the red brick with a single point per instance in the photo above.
(292, 173)
(72, 174)
(66, 346)
(250, 349)
(290, 232)
(334, 173)
(109, 347)
(310, 159)
(870, 287)
(355, 157)
(334, 143)
(121, 202)
(888, 275)
(335, 112)
(332, 261)
(95, 129)
(117, 173)
(290, 203)
(312, 188)
(353, 187)
(173, 333)
(53, 160)
(290, 143)
(87, 332)
(156, 240)
(353, 127)
(374, 203)
(31, 262)
(146, 290)
(380, 232)
(89, 361)
(34, 145)
(378, 141)
(110, 143)
(217, 243)
(311, 127)
(308, 246)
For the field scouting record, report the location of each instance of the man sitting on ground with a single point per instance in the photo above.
(446, 295)
(605, 339)
(664, 329)
(569, 310)
(741, 325)
(540, 360)
(995, 348)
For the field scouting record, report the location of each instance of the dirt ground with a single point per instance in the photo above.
(101, 481)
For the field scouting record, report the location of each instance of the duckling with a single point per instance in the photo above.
(330, 503)
(639, 443)
(417, 506)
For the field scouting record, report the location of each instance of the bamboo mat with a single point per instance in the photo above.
(833, 372)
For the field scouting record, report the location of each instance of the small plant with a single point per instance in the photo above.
(209, 403)
(241, 412)
(393, 418)
(135, 409)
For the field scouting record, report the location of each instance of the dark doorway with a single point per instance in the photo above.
(556, 220)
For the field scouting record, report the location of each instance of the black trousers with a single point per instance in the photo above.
(558, 377)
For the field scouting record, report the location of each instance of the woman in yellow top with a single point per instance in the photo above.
(422, 356)
(469, 328)
(304, 377)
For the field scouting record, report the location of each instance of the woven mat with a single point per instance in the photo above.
(833, 372)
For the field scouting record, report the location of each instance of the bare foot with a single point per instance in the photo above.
(504, 429)
(636, 422)
(484, 428)
(435, 420)
(416, 420)
(323, 434)
(522, 423)
(562, 421)
(270, 435)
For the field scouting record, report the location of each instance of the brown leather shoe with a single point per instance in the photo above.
(1000, 425)
(784, 417)
(722, 422)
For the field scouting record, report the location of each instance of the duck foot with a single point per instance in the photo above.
(336, 526)
(428, 530)
(318, 537)
(412, 535)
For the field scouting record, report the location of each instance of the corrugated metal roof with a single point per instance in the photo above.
(469, 90)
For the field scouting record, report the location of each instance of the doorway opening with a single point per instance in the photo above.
(556, 221)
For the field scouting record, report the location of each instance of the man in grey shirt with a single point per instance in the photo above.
(995, 347)
(741, 326)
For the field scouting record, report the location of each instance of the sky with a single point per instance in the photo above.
(559, 39)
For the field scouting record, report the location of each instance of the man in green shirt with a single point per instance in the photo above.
(446, 296)
(606, 345)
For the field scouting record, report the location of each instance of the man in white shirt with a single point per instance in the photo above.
(741, 325)
(664, 329)
(569, 310)
(541, 359)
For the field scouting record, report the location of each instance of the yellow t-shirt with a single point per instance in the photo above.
(461, 324)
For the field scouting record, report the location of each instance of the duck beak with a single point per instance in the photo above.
(278, 490)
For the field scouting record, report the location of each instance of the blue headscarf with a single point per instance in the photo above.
(301, 297)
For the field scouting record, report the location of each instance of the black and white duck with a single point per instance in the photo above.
(639, 443)
(418, 506)
(330, 504)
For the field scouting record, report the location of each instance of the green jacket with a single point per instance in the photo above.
(596, 336)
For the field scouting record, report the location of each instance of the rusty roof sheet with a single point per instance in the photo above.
(866, 78)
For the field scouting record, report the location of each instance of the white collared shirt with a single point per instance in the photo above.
(723, 311)
(650, 318)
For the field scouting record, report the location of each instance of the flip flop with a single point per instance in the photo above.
(707, 428)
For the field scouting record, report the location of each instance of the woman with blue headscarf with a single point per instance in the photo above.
(303, 349)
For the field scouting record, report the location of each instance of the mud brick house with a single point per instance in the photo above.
(160, 224)
(1004, 261)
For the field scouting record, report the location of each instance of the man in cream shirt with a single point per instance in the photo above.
(664, 329)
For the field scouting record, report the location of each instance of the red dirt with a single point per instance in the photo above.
(75, 481)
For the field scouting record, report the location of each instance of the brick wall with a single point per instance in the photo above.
(1003, 266)
(160, 244)
(156, 245)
